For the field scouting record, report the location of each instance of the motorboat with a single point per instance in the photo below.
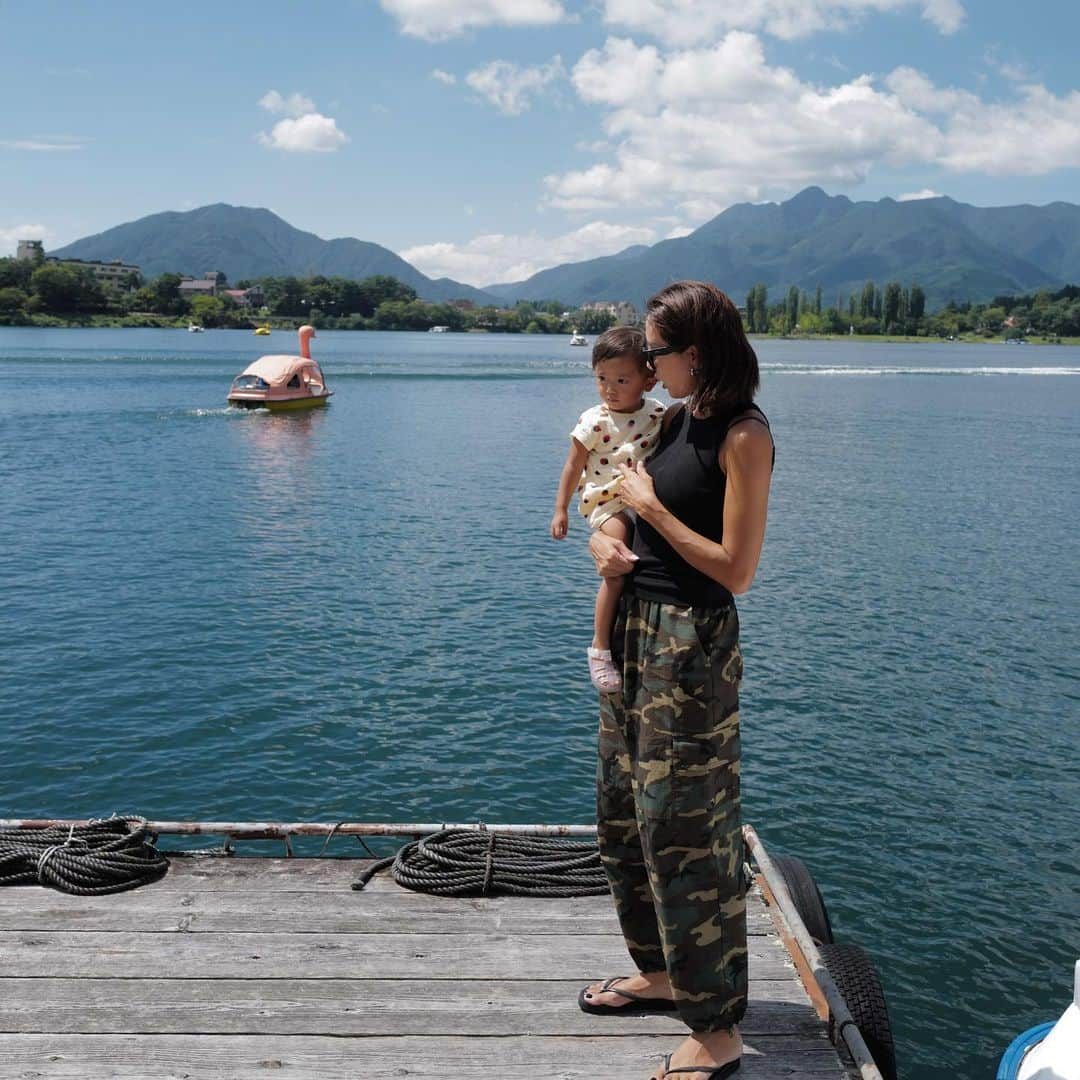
(1049, 1051)
(261, 331)
(279, 383)
(194, 328)
(438, 329)
(578, 339)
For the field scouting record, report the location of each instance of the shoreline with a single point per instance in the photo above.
(166, 322)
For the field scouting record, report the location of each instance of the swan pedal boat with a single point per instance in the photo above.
(282, 383)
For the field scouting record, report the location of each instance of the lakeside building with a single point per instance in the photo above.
(207, 285)
(115, 274)
(247, 298)
(625, 313)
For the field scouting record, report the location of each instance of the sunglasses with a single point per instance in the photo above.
(652, 353)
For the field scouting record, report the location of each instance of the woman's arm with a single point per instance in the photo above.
(746, 458)
(568, 481)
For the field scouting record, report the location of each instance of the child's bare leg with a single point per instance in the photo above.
(607, 596)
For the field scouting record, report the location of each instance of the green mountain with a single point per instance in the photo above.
(248, 243)
(954, 251)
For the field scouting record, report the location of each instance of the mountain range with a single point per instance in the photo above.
(244, 242)
(953, 250)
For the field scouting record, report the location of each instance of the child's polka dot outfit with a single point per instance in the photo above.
(613, 438)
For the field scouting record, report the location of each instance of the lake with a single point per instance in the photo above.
(357, 614)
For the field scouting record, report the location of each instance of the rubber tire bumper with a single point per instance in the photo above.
(853, 973)
(806, 896)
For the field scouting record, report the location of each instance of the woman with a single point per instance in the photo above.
(668, 775)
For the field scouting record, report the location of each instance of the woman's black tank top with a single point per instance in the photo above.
(689, 482)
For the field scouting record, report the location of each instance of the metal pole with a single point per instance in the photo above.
(789, 916)
(270, 830)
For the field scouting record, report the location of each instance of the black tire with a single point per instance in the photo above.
(806, 896)
(853, 973)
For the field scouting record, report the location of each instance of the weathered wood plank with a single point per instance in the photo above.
(91, 955)
(355, 1007)
(299, 1057)
(399, 911)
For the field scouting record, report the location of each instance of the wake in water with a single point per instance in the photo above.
(808, 369)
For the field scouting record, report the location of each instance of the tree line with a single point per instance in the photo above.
(42, 292)
(901, 310)
(52, 291)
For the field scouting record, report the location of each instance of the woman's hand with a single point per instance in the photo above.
(558, 525)
(612, 557)
(637, 491)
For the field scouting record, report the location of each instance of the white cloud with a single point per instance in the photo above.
(686, 22)
(509, 87)
(46, 143)
(304, 130)
(313, 133)
(496, 257)
(9, 238)
(439, 19)
(444, 77)
(293, 105)
(915, 196)
(700, 128)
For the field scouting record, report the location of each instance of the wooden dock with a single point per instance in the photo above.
(255, 967)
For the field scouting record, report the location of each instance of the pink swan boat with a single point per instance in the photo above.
(282, 382)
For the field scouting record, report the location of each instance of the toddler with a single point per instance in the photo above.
(622, 430)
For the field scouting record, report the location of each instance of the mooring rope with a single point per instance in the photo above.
(460, 862)
(88, 860)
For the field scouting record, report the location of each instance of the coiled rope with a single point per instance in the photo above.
(461, 862)
(87, 860)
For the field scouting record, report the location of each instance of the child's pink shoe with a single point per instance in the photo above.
(603, 672)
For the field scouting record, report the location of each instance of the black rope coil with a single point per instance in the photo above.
(87, 860)
(464, 862)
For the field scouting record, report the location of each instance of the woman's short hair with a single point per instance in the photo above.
(697, 313)
(620, 341)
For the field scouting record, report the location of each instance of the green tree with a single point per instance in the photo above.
(917, 303)
(867, 300)
(12, 299)
(167, 298)
(792, 309)
(65, 289)
(890, 306)
(761, 308)
(15, 273)
(207, 310)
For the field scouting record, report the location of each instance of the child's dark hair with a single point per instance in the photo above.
(620, 341)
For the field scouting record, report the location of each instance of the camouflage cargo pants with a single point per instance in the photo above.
(668, 803)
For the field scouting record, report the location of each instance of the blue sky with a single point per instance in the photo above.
(487, 139)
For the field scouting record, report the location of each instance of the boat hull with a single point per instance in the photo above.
(279, 404)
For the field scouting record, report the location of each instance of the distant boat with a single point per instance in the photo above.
(194, 328)
(578, 339)
(262, 331)
(438, 329)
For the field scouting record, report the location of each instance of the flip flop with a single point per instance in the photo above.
(712, 1072)
(603, 672)
(638, 1005)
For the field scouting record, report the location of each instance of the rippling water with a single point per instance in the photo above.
(357, 614)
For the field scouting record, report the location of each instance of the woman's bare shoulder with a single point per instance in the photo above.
(748, 441)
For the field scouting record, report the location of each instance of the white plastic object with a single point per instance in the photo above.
(1057, 1057)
